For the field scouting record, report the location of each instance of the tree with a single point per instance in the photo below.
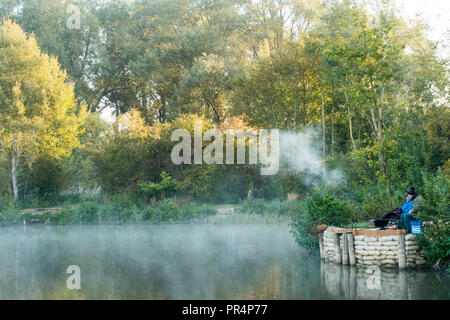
(38, 112)
(363, 54)
(280, 90)
(74, 48)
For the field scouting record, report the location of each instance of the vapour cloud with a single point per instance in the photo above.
(300, 153)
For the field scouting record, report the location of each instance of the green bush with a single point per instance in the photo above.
(436, 238)
(121, 208)
(164, 211)
(109, 213)
(87, 212)
(436, 244)
(159, 190)
(9, 211)
(318, 207)
(9, 214)
(168, 211)
(369, 201)
(323, 208)
(201, 182)
(64, 216)
(300, 228)
(291, 182)
(265, 207)
(255, 206)
(436, 195)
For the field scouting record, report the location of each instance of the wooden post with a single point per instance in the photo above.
(401, 252)
(344, 249)
(351, 249)
(337, 248)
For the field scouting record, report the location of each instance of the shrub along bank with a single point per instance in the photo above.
(117, 211)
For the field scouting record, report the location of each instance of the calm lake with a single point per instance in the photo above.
(209, 261)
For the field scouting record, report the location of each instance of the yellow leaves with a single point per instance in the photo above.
(164, 130)
(212, 62)
(264, 48)
(132, 124)
(236, 122)
(40, 112)
(157, 130)
(18, 103)
(187, 122)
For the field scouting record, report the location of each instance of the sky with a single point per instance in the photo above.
(434, 13)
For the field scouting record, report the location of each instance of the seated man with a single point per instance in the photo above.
(407, 217)
(396, 213)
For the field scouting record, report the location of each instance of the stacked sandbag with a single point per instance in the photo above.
(374, 250)
(380, 251)
(329, 247)
(414, 256)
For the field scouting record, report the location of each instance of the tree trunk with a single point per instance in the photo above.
(377, 123)
(332, 131)
(350, 123)
(14, 164)
(323, 127)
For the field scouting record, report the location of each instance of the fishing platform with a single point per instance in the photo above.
(371, 247)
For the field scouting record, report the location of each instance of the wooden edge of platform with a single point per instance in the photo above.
(378, 233)
(339, 230)
(367, 232)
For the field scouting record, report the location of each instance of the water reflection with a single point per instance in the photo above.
(155, 262)
(372, 283)
(183, 262)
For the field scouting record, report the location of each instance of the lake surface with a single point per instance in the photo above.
(210, 261)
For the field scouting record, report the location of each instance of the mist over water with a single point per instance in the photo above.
(224, 261)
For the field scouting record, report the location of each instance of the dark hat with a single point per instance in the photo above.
(412, 191)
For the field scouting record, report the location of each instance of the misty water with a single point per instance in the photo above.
(202, 261)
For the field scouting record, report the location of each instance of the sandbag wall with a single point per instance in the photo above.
(371, 247)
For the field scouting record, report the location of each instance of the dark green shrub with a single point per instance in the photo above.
(255, 206)
(87, 212)
(168, 211)
(436, 238)
(436, 196)
(264, 207)
(436, 244)
(10, 215)
(165, 211)
(300, 226)
(193, 212)
(160, 190)
(324, 208)
(319, 207)
(291, 182)
(118, 210)
(64, 216)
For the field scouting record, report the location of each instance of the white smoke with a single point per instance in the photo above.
(299, 153)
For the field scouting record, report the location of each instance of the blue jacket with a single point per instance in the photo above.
(407, 206)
